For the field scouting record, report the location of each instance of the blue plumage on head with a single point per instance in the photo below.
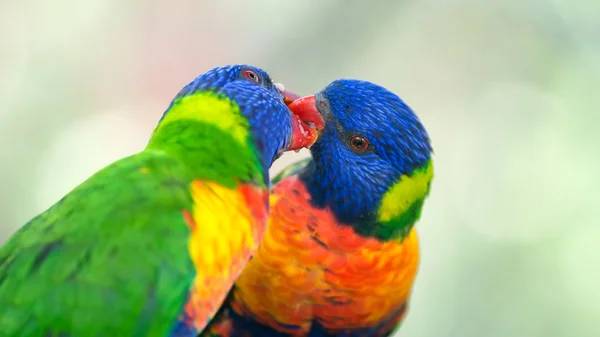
(371, 139)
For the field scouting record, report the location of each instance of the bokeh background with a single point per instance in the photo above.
(507, 89)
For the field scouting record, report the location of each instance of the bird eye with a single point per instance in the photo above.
(249, 74)
(359, 144)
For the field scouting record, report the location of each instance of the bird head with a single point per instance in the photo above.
(264, 104)
(372, 163)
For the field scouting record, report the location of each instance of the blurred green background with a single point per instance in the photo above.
(507, 90)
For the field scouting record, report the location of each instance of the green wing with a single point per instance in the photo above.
(109, 259)
(291, 170)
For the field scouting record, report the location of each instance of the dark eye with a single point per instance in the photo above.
(359, 144)
(251, 76)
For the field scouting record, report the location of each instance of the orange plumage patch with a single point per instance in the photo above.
(226, 227)
(256, 200)
(311, 268)
(189, 219)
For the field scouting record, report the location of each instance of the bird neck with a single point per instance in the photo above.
(208, 133)
(386, 215)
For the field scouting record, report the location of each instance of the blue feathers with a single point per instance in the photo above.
(352, 183)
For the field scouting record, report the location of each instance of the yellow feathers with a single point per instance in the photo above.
(405, 192)
(225, 227)
(224, 234)
(210, 108)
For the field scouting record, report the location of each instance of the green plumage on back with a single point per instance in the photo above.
(123, 208)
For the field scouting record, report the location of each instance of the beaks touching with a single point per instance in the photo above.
(304, 134)
(306, 119)
(306, 109)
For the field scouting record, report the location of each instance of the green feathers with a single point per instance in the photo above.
(107, 251)
(199, 129)
(401, 205)
(113, 257)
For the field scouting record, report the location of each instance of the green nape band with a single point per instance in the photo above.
(210, 136)
(401, 205)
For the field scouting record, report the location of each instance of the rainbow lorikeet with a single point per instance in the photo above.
(151, 244)
(340, 253)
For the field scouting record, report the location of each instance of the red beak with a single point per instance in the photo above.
(306, 120)
(306, 109)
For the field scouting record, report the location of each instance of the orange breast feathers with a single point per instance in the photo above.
(227, 226)
(309, 267)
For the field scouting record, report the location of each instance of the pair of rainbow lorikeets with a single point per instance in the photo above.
(174, 241)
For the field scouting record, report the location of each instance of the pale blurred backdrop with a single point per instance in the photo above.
(507, 89)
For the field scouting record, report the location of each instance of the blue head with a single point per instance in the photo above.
(372, 163)
(247, 91)
(239, 82)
